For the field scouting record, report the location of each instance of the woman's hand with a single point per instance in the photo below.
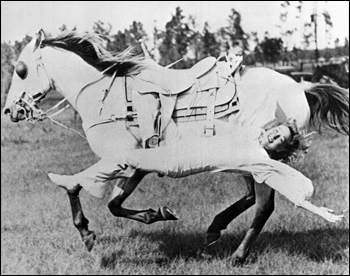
(328, 214)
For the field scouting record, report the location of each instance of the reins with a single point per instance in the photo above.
(44, 115)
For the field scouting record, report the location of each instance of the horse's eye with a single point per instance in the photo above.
(21, 70)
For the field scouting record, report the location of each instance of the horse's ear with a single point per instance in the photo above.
(43, 34)
(40, 36)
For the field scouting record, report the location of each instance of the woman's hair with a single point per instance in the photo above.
(296, 149)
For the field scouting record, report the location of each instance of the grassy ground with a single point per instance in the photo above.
(38, 236)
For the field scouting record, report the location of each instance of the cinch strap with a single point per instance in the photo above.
(131, 117)
(209, 125)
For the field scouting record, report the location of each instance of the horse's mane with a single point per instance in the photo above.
(90, 47)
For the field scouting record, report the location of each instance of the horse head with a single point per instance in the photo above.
(72, 62)
(30, 83)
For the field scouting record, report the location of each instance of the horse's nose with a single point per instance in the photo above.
(7, 111)
(14, 114)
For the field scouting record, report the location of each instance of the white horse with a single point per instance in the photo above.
(94, 82)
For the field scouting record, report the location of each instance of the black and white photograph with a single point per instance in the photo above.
(175, 137)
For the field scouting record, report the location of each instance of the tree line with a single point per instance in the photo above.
(182, 40)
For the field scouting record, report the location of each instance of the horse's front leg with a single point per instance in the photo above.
(122, 191)
(264, 208)
(79, 220)
(73, 189)
(94, 180)
(223, 219)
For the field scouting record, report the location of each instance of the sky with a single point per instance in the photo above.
(20, 18)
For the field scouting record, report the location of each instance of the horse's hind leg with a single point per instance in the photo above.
(79, 220)
(264, 208)
(222, 220)
(122, 192)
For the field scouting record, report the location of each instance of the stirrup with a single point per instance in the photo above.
(152, 142)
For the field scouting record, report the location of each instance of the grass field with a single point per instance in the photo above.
(38, 236)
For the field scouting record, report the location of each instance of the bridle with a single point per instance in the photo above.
(29, 103)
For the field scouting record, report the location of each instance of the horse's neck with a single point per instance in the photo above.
(81, 84)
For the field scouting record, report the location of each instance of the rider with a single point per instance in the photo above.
(249, 150)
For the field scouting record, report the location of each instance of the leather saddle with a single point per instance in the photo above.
(171, 81)
(188, 94)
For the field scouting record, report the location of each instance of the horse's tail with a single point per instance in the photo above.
(329, 104)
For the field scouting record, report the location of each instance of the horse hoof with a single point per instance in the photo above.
(211, 238)
(238, 258)
(203, 254)
(236, 262)
(89, 241)
(168, 214)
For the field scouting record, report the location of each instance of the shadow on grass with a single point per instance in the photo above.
(316, 245)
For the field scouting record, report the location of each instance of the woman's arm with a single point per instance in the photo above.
(294, 186)
(321, 211)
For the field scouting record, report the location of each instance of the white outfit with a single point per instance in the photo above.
(239, 152)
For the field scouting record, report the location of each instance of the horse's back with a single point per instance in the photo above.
(263, 91)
